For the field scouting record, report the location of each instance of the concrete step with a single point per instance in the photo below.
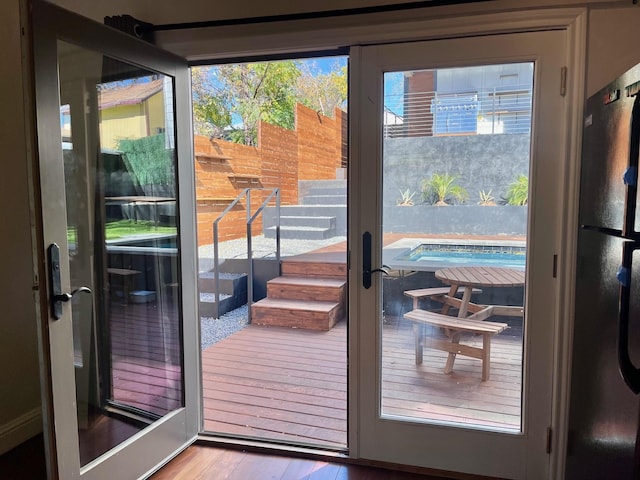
(300, 233)
(337, 211)
(304, 221)
(325, 200)
(313, 315)
(230, 283)
(306, 185)
(307, 288)
(327, 191)
(209, 308)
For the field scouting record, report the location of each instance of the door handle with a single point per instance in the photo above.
(65, 297)
(57, 298)
(630, 177)
(630, 373)
(366, 262)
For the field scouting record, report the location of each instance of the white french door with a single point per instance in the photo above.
(118, 241)
(480, 115)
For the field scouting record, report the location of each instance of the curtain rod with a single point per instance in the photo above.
(307, 15)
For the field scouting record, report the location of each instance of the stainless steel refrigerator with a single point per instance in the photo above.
(605, 406)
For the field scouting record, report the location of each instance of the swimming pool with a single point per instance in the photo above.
(466, 255)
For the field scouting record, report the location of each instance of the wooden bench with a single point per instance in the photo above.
(437, 294)
(453, 328)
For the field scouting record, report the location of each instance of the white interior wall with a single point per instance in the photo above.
(611, 40)
(19, 385)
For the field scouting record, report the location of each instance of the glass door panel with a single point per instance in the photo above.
(117, 229)
(456, 155)
(458, 184)
(123, 244)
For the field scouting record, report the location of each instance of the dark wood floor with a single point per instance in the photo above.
(200, 462)
(25, 462)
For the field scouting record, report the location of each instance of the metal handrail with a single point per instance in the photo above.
(250, 219)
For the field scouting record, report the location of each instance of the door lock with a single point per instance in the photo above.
(57, 298)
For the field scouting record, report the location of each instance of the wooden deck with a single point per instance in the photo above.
(290, 385)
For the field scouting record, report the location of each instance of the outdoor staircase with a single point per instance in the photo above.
(233, 293)
(321, 214)
(310, 294)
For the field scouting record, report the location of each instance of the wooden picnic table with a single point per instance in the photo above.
(469, 278)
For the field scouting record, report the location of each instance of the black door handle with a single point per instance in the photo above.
(630, 373)
(366, 262)
(57, 298)
(630, 176)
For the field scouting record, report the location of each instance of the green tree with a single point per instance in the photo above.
(322, 92)
(230, 100)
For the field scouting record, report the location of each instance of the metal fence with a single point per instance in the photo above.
(500, 110)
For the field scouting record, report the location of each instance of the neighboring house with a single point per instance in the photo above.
(133, 110)
(470, 100)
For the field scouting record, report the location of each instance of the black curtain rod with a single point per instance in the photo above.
(308, 15)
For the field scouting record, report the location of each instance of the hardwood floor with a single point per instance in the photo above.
(200, 462)
(25, 462)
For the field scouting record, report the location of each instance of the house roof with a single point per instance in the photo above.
(132, 94)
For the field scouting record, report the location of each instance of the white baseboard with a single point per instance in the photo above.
(20, 430)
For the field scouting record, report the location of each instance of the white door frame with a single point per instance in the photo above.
(575, 37)
(468, 450)
(218, 43)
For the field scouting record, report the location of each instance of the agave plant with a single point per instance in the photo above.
(442, 188)
(406, 198)
(518, 192)
(486, 199)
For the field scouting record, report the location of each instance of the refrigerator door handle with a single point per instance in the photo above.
(630, 373)
(630, 176)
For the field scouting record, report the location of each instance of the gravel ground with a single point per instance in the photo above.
(213, 330)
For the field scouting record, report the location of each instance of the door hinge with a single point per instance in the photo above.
(549, 439)
(563, 81)
(555, 266)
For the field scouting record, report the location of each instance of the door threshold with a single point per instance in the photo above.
(271, 448)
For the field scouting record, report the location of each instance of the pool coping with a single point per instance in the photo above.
(391, 252)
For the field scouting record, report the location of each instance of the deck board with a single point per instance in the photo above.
(290, 385)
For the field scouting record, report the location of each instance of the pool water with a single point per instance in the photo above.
(468, 255)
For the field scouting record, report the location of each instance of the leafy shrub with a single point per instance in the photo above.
(518, 192)
(439, 189)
